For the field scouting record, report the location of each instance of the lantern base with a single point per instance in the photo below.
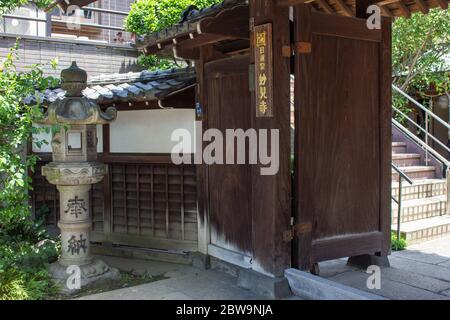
(73, 279)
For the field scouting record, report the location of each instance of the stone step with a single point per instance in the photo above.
(398, 147)
(418, 209)
(425, 229)
(420, 189)
(416, 172)
(406, 159)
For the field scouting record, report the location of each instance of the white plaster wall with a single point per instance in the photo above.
(149, 131)
(48, 138)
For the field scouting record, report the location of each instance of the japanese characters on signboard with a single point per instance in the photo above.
(263, 70)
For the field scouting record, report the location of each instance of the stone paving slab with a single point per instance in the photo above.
(331, 268)
(389, 289)
(422, 256)
(184, 283)
(415, 280)
(430, 270)
(439, 247)
(446, 293)
(445, 264)
(420, 272)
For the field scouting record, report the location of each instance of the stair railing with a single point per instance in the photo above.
(401, 176)
(425, 144)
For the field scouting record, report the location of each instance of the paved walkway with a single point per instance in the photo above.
(184, 283)
(421, 272)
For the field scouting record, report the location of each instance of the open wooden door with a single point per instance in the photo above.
(342, 139)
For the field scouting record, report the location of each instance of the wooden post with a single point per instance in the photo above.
(271, 195)
(385, 134)
(107, 208)
(202, 169)
(303, 92)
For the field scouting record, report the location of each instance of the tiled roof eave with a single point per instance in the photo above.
(131, 87)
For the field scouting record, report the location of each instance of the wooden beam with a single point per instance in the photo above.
(202, 40)
(443, 4)
(387, 12)
(188, 54)
(423, 6)
(325, 6)
(231, 23)
(288, 3)
(347, 11)
(404, 9)
(361, 8)
(386, 2)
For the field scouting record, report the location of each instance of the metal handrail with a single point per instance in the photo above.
(102, 10)
(428, 114)
(82, 24)
(422, 144)
(422, 129)
(401, 176)
(423, 108)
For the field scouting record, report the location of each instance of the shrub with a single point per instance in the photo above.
(397, 244)
(147, 16)
(25, 246)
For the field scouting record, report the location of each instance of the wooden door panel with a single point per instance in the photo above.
(228, 105)
(346, 127)
(342, 138)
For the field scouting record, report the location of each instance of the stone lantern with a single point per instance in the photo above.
(73, 170)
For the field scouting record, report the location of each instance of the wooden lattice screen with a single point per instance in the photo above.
(148, 205)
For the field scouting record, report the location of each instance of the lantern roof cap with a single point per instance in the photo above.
(73, 74)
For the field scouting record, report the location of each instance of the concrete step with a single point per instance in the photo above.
(398, 147)
(416, 172)
(425, 229)
(417, 209)
(406, 159)
(420, 189)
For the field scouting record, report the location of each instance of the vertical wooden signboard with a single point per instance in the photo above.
(263, 70)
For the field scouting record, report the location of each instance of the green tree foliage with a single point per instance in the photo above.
(419, 45)
(25, 247)
(16, 128)
(7, 6)
(147, 16)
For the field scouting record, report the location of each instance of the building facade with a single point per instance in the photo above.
(94, 37)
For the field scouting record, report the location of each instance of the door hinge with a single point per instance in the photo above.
(287, 51)
(296, 230)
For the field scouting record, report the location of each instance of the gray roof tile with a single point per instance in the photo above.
(137, 86)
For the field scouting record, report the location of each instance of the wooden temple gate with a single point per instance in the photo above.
(337, 204)
(340, 191)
